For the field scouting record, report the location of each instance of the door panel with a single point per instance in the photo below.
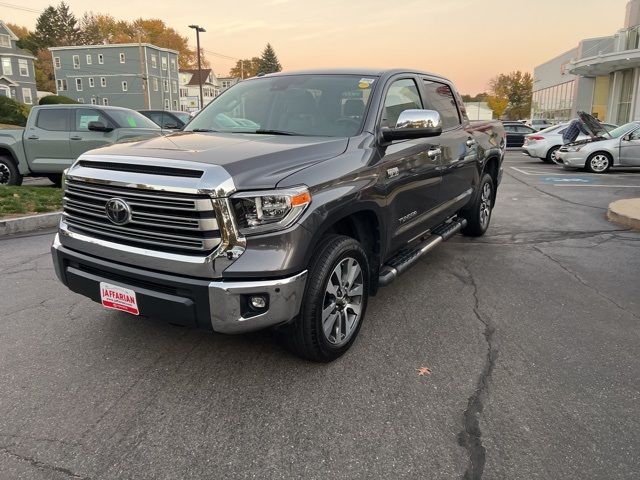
(82, 139)
(630, 150)
(46, 143)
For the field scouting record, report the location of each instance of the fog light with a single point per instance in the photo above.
(258, 302)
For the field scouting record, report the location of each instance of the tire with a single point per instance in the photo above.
(551, 155)
(55, 178)
(9, 174)
(478, 215)
(598, 162)
(322, 331)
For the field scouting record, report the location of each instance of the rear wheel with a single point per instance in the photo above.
(478, 215)
(9, 174)
(598, 162)
(552, 155)
(334, 304)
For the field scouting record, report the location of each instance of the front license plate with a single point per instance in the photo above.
(118, 298)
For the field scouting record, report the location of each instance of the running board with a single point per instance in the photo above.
(406, 258)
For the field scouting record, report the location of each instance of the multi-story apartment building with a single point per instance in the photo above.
(190, 83)
(128, 75)
(17, 76)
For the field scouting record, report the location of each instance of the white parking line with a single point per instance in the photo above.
(594, 185)
(542, 173)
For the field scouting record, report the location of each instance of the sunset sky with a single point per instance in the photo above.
(469, 41)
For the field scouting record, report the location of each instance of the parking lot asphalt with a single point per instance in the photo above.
(531, 335)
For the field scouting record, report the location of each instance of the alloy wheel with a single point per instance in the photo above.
(342, 304)
(599, 163)
(5, 174)
(485, 205)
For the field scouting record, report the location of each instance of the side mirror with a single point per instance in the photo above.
(414, 124)
(99, 127)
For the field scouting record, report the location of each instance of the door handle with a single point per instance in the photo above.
(33, 137)
(434, 152)
(75, 137)
(471, 142)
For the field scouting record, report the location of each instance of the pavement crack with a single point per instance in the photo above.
(42, 465)
(580, 280)
(471, 436)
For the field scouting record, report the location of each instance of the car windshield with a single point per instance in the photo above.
(622, 130)
(183, 116)
(130, 119)
(312, 105)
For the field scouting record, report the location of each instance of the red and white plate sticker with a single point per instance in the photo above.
(119, 298)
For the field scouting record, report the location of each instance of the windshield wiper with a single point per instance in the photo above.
(272, 132)
(201, 130)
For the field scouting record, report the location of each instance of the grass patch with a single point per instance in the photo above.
(25, 200)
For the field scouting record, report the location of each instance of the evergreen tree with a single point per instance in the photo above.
(68, 31)
(269, 61)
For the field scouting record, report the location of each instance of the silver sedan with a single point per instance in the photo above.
(618, 148)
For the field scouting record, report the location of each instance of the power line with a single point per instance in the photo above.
(228, 57)
(18, 7)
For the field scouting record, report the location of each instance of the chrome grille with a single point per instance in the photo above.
(165, 221)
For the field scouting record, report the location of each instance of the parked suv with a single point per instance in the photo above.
(287, 202)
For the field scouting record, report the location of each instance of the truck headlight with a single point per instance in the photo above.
(269, 210)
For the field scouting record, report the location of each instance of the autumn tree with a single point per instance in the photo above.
(246, 68)
(269, 61)
(511, 95)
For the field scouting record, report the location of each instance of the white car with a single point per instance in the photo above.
(545, 143)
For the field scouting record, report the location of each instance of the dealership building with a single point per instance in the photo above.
(600, 76)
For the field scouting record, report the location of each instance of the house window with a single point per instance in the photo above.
(184, 92)
(62, 85)
(165, 84)
(76, 61)
(93, 101)
(105, 101)
(6, 66)
(100, 58)
(23, 67)
(79, 84)
(91, 83)
(121, 57)
(166, 104)
(175, 105)
(125, 87)
(81, 100)
(56, 62)
(5, 41)
(89, 59)
(174, 86)
(173, 64)
(155, 84)
(26, 96)
(164, 62)
(103, 81)
(154, 61)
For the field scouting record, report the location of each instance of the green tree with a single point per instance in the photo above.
(246, 68)
(511, 95)
(67, 27)
(269, 61)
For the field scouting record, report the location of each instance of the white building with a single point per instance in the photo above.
(190, 83)
(599, 76)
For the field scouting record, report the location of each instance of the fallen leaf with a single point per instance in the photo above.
(423, 371)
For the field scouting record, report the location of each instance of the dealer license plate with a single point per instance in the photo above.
(118, 298)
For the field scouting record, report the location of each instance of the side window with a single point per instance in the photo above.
(510, 128)
(439, 97)
(156, 118)
(635, 135)
(86, 115)
(53, 119)
(402, 95)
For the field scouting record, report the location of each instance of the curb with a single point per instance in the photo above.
(625, 212)
(31, 223)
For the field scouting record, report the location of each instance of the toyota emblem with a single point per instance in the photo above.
(118, 211)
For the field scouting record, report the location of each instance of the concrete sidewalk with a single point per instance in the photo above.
(625, 212)
(30, 223)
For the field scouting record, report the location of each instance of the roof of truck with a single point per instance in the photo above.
(374, 72)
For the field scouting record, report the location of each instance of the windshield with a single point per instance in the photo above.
(183, 116)
(131, 119)
(622, 130)
(313, 105)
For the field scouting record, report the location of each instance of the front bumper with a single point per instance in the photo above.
(220, 305)
(571, 159)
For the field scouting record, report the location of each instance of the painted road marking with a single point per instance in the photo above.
(568, 180)
(594, 185)
(540, 173)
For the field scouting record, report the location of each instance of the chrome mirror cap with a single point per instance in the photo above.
(414, 123)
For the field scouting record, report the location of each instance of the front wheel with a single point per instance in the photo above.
(598, 162)
(9, 174)
(335, 301)
(478, 215)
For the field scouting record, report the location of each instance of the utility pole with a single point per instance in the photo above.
(143, 77)
(199, 29)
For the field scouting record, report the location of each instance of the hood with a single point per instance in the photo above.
(254, 161)
(592, 124)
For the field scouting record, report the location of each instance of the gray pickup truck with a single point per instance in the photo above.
(56, 135)
(287, 202)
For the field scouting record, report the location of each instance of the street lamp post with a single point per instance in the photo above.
(199, 29)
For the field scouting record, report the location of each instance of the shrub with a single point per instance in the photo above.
(12, 112)
(55, 99)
